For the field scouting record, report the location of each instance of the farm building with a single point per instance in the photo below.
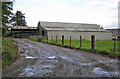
(18, 31)
(75, 30)
(116, 32)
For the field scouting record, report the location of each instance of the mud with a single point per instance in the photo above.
(44, 60)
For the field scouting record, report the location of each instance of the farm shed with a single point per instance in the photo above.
(23, 31)
(116, 32)
(75, 30)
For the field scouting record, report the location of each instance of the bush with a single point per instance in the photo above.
(4, 31)
(41, 40)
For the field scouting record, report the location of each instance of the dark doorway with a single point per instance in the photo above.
(62, 39)
(93, 42)
(43, 33)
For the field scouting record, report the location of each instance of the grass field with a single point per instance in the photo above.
(102, 46)
(8, 52)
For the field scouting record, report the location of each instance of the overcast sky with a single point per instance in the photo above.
(102, 12)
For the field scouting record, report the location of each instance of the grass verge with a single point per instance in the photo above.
(105, 47)
(9, 52)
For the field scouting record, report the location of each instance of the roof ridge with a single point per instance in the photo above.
(67, 23)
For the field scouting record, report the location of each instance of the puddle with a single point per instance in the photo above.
(66, 58)
(51, 57)
(48, 66)
(70, 59)
(30, 74)
(87, 64)
(30, 46)
(29, 71)
(28, 57)
(100, 71)
(109, 61)
(52, 61)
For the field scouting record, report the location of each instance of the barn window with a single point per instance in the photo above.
(43, 33)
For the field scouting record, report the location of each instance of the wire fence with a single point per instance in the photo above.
(109, 46)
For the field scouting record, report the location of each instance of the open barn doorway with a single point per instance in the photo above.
(43, 33)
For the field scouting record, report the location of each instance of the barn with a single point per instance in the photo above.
(23, 31)
(116, 32)
(75, 30)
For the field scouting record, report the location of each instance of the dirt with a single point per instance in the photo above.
(44, 60)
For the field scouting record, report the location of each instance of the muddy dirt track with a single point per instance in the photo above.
(43, 60)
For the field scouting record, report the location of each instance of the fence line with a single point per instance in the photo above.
(80, 41)
(92, 42)
(114, 45)
(69, 41)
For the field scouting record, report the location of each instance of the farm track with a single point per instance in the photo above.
(44, 60)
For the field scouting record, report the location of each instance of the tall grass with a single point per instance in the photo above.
(8, 52)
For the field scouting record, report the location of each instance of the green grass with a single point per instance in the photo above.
(105, 46)
(32, 39)
(8, 52)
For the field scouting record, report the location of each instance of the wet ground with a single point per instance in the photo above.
(44, 60)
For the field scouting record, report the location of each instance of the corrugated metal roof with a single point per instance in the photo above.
(70, 29)
(68, 25)
(62, 26)
(23, 27)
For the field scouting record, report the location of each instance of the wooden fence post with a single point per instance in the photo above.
(80, 41)
(47, 39)
(62, 39)
(115, 45)
(56, 39)
(70, 41)
(93, 42)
